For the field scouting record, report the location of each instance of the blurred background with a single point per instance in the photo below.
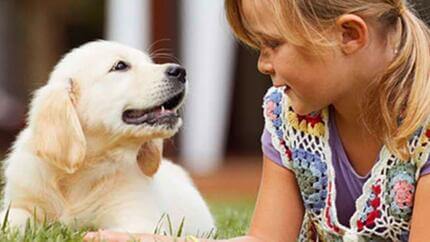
(220, 140)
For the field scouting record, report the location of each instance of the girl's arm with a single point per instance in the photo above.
(279, 210)
(277, 217)
(421, 213)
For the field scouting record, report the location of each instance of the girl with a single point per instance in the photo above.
(346, 142)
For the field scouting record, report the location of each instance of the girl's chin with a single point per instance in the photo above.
(301, 112)
(302, 109)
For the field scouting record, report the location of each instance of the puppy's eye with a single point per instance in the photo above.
(120, 66)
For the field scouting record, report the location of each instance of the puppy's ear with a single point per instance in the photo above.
(149, 156)
(57, 133)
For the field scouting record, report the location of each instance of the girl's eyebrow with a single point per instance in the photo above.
(259, 33)
(265, 35)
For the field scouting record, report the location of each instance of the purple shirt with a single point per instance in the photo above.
(348, 183)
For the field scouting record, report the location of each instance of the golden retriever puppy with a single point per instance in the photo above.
(91, 154)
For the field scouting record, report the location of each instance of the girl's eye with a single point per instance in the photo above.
(120, 66)
(273, 44)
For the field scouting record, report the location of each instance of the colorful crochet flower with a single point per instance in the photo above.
(270, 106)
(273, 110)
(401, 187)
(312, 123)
(403, 193)
(275, 96)
(311, 175)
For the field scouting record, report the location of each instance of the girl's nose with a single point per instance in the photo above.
(264, 64)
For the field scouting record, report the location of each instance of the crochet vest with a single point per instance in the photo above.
(384, 209)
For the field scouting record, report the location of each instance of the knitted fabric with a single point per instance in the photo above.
(384, 209)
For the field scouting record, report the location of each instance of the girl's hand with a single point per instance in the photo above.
(105, 235)
(109, 236)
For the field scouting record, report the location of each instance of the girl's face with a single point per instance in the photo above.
(311, 82)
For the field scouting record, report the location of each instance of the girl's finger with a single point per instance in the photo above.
(92, 236)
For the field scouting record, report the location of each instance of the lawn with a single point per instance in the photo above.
(232, 218)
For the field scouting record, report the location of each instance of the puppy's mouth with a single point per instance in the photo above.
(163, 114)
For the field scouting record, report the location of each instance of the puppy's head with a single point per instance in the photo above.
(122, 91)
(108, 90)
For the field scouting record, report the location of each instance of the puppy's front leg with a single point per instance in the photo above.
(17, 218)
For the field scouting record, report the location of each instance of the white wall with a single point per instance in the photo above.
(208, 55)
(129, 22)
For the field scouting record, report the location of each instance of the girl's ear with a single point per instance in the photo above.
(353, 31)
(58, 137)
(149, 157)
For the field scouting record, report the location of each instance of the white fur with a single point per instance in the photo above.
(75, 162)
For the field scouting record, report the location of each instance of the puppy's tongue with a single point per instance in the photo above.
(159, 116)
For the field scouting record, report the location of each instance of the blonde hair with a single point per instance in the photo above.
(402, 92)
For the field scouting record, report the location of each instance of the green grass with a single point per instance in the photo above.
(40, 233)
(232, 218)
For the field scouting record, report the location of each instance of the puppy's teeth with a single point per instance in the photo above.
(162, 108)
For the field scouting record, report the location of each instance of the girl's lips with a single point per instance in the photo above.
(282, 84)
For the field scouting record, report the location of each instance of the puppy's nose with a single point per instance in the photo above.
(176, 72)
